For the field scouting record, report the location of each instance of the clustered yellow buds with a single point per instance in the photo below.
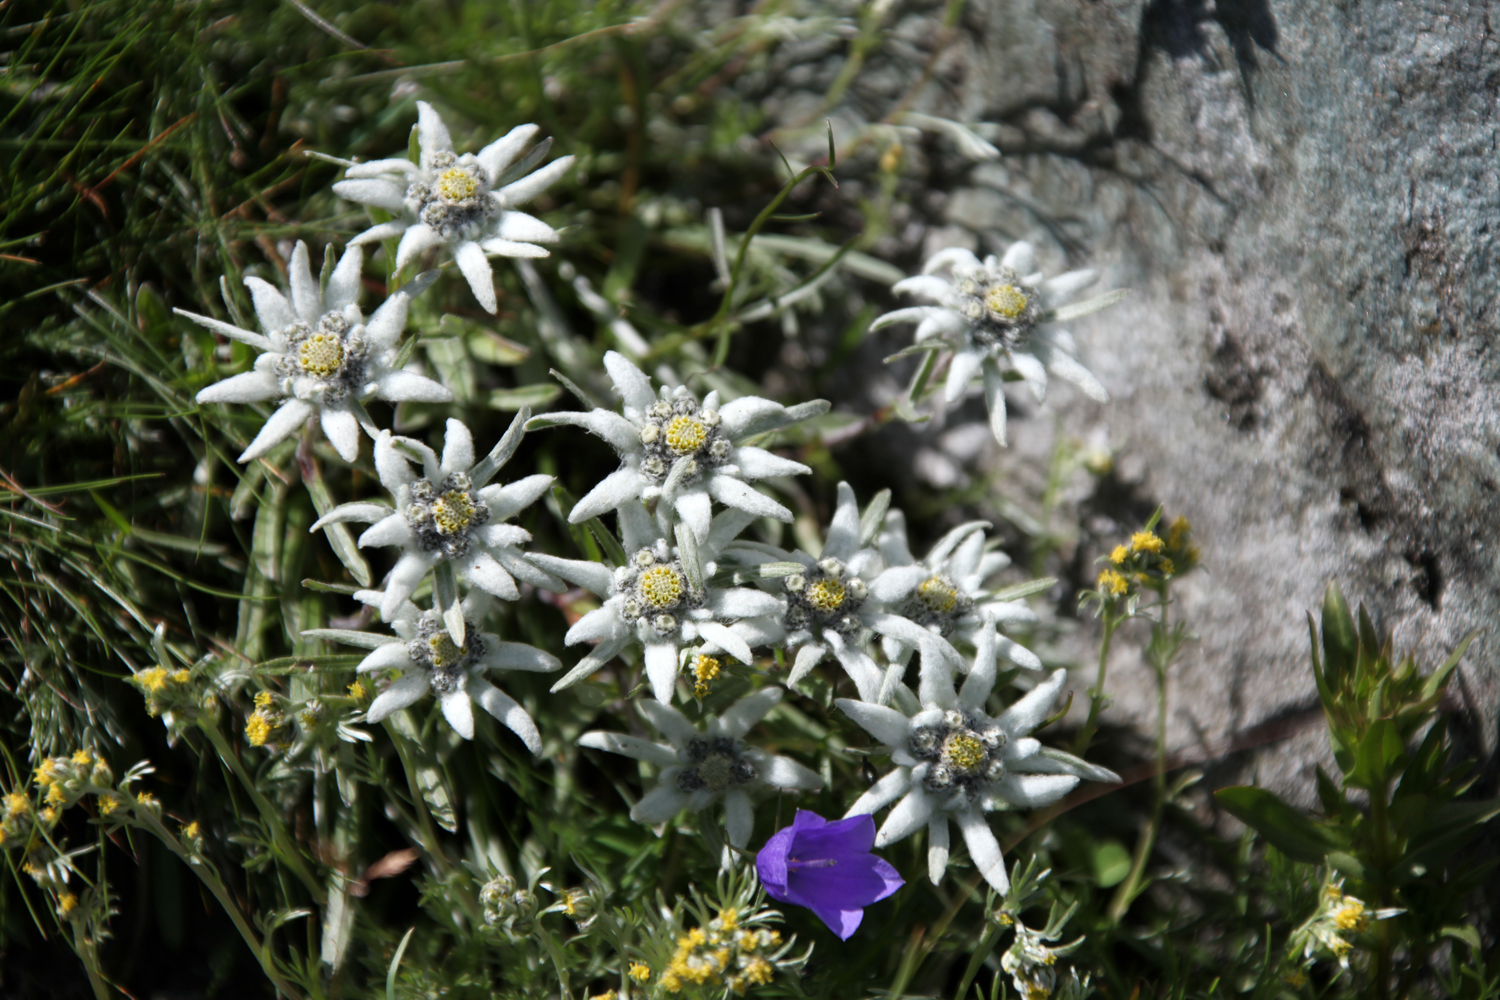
(721, 953)
(1149, 560)
(162, 687)
(262, 724)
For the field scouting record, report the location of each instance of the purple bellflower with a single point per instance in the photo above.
(828, 868)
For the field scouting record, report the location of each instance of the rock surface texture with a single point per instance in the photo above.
(1304, 198)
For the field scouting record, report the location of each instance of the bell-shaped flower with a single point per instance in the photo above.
(465, 202)
(702, 766)
(998, 316)
(949, 598)
(661, 598)
(828, 868)
(955, 762)
(681, 453)
(454, 673)
(320, 355)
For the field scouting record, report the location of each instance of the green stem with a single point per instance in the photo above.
(286, 847)
(1380, 820)
(1096, 693)
(84, 946)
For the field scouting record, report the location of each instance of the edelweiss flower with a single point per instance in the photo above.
(683, 453)
(462, 202)
(994, 315)
(704, 766)
(838, 595)
(431, 661)
(660, 598)
(950, 599)
(956, 762)
(451, 514)
(320, 355)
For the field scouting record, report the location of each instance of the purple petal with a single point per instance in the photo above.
(844, 838)
(855, 881)
(770, 863)
(842, 922)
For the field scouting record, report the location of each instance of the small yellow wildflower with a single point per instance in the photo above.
(760, 971)
(670, 982)
(1340, 947)
(190, 831)
(608, 995)
(67, 903)
(1005, 920)
(181, 677)
(1112, 583)
(263, 699)
(357, 691)
(728, 919)
(146, 799)
(56, 795)
(17, 804)
(1146, 541)
(83, 758)
(49, 815)
(258, 728)
(640, 971)
(46, 772)
(1119, 555)
(706, 670)
(152, 680)
(1352, 917)
(107, 804)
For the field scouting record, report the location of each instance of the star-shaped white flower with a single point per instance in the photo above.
(841, 593)
(996, 315)
(950, 599)
(684, 453)
(464, 202)
(956, 762)
(320, 355)
(661, 598)
(454, 673)
(708, 765)
(450, 514)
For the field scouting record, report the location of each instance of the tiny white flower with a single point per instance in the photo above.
(684, 453)
(841, 593)
(463, 202)
(956, 762)
(450, 513)
(661, 598)
(949, 598)
(703, 766)
(320, 355)
(431, 662)
(996, 316)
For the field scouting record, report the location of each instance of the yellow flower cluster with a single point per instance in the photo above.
(262, 724)
(719, 953)
(1149, 560)
(159, 685)
(706, 670)
(1339, 917)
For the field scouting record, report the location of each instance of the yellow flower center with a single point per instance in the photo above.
(715, 771)
(963, 752)
(640, 972)
(67, 902)
(705, 672)
(257, 729)
(321, 354)
(1119, 555)
(107, 805)
(457, 184)
(1112, 583)
(83, 758)
(17, 804)
(152, 680)
(759, 971)
(357, 691)
(1351, 917)
(938, 594)
(685, 434)
(453, 511)
(443, 650)
(1005, 301)
(826, 595)
(661, 586)
(1146, 541)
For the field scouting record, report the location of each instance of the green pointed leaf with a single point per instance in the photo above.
(1292, 833)
(1375, 760)
(1340, 644)
(1439, 678)
(873, 516)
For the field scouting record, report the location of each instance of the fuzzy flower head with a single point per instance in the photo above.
(996, 315)
(431, 662)
(659, 597)
(828, 868)
(680, 452)
(955, 761)
(703, 766)
(1031, 964)
(451, 515)
(320, 355)
(1338, 924)
(948, 596)
(841, 593)
(464, 202)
